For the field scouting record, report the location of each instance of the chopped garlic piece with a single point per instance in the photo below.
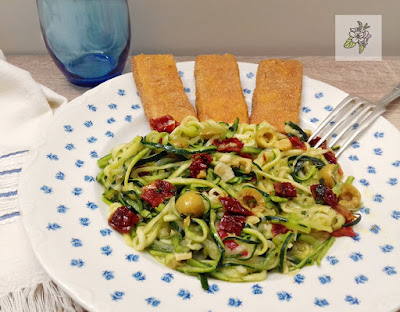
(183, 256)
(224, 171)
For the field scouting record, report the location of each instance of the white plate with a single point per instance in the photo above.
(66, 219)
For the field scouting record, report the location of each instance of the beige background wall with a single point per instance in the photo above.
(242, 27)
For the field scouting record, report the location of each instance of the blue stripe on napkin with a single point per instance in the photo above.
(9, 215)
(10, 171)
(8, 194)
(12, 154)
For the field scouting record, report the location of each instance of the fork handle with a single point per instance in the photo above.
(388, 98)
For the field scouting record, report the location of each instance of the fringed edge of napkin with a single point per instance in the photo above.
(46, 296)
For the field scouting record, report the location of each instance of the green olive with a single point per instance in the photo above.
(350, 197)
(330, 174)
(266, 137)
(190, 204)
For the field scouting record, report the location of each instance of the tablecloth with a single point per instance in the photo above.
(26, 109)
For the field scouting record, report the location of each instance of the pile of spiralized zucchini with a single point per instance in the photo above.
(183, 234)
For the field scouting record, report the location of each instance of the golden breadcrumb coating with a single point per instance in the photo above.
(160, 87)
(219, 95)
(277, 96)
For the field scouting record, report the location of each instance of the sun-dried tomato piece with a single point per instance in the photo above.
(157, 191)
(123, 219)
(324, 195)
(206, 158)
(233, 206)
(285, 189)
(164, 124)
(278, 229)
(296, 143)
(245, 155)
(230, 243)
(228, 145)
(222, 234)
(344, 231)
(330, 198)
(318, 191)
(231, 223)
(200, 162)
(330, 157)
(314, 141)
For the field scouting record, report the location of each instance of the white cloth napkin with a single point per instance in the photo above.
(26, 109)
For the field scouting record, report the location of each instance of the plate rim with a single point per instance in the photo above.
(34, 153)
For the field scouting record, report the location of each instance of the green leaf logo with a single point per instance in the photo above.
(349, 43)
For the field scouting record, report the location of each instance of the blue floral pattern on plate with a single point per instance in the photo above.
(66, 220)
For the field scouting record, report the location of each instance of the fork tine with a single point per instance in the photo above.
(369, 120)
(365, 116)
(358, 103)
(332, 114)
(360, 116)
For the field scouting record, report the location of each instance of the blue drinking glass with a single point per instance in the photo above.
(88, 39)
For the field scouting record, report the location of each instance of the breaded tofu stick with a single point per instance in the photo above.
(160, 87)
(277, 96)
(219, 95)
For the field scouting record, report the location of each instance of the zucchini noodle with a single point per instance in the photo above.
(188, 230)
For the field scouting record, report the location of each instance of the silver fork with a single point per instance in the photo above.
(356, 112)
